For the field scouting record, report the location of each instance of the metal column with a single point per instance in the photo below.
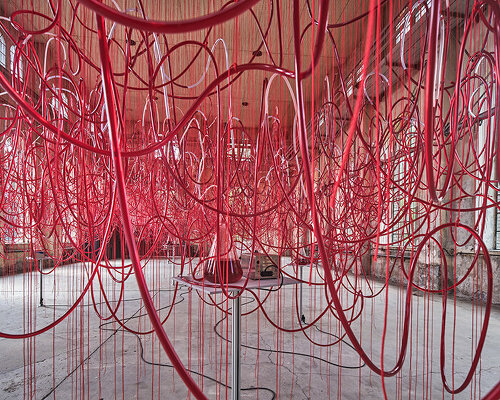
(236, 347)
(300, 301)
(301, 314)
(40, 267)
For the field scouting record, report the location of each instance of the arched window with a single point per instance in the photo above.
(3, 52)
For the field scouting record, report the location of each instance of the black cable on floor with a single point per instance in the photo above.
(108, 338)
(102, 326)
(203, 375)
(133, 316)
(292, 352)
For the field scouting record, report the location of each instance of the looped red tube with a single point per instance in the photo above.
(184, 26)
(122, 195)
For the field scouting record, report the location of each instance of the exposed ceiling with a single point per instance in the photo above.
(242, 40)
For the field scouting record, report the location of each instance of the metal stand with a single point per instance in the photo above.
(236, 349)
(40, 268)
(301, 314)
(236, 317)
(40, 257)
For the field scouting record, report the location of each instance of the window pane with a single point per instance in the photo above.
(18, 68)
(3, 52)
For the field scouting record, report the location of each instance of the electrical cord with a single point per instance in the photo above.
(290, 352)
(211, 379)
(115, 331)
(139, 338)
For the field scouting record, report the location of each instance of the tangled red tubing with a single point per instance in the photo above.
(394, 161)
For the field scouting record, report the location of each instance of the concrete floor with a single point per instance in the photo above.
(86, 358)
